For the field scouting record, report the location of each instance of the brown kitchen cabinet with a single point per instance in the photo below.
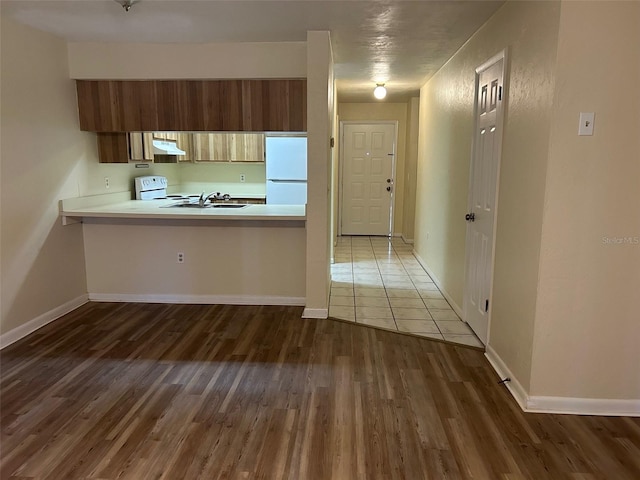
(208, 147)
(171, 136)
(184, 142)
(228, 147)
(140, 146)
(113, 148)
(117, 106)
(192, 105)
(246, 147)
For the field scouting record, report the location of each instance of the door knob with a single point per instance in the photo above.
(388, 180)
(388, 189)
(470, 217)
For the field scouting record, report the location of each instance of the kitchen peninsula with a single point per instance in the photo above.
(140, 251)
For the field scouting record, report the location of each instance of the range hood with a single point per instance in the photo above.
(162, 147)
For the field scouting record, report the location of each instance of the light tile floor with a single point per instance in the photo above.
(377, 281)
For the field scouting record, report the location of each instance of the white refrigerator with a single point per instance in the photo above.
(286, 159)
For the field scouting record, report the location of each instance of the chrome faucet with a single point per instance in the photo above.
(202, 200)
(215, 195)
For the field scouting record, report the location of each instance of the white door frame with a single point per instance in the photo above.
(393, 167)
(503, 55)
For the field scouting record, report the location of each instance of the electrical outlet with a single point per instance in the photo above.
(106, 183)
(180, 257)
(242, 177)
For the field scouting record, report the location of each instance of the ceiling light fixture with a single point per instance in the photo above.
(380, 92)
(126, 4)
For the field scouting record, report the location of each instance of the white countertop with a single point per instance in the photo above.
(115, 206)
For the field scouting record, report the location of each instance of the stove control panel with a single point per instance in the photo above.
(150, 187)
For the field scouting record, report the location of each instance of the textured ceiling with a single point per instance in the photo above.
(398, 42)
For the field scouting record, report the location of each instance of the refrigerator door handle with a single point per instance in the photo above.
(282, 180)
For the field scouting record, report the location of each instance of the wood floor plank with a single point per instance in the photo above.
(151, 391)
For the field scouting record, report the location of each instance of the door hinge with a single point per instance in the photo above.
(486, 305)
(499, 93)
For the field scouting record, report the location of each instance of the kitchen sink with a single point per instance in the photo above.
(206, 205)
(187, 205)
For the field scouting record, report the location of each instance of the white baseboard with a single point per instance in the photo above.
(561, 405)
(198, 299)
(584, 406)
(517, 390)
(454, 305)
(406, 240)
(40, 321)
(318, 313)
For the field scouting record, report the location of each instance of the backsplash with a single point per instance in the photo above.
(223, 177)
(183, 178)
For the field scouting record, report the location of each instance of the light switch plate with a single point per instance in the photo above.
(586, 123)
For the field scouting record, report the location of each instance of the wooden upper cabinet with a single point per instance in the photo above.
(140, 146)
(228, 147)
(113, 148)
(247, 147)
(117, 106)
(184, 142)
(192, 105)
(275, 105)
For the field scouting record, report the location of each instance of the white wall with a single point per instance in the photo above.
(320, 118)
(587, 328)
(564, 321)
(529, 30)
(411, 168)
(198, 61)
(43, 160)
(223, 177)
(226, 262)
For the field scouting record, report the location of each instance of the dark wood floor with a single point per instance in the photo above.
(220, 392)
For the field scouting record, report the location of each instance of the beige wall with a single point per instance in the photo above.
(529, 30)
(320, 115)
(411, 168)
(43, 152)
(563, 320)
(169, 61)
(395, 112)
(587, 329)
(223, 177)
(250, 261)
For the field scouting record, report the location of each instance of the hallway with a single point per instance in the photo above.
(377, 281)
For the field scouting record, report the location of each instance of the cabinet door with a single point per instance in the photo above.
(113, 148)
(136, 105)
(140, 146)
(97, 106)
(274, 105)
(247, 147)
(136, 146)
(184, 141)
(208, 147)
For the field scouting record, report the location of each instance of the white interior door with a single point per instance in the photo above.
(367, 178)
(483, 197)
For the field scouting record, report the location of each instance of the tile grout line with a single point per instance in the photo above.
(416, 289)
(397, 261)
